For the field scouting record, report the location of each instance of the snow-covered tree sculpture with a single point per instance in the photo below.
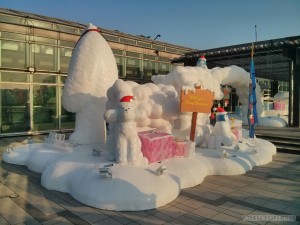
(92, 71)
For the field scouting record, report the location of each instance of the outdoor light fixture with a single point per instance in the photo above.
(160, 170)
(29, 140)
(157, 36)
(225, 154)
(9, 150)
(255, 150)
(143, 36)
(105, 172)
(31, 69)
(96, 151)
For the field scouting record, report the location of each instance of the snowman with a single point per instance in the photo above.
(221, 133)
(202, 62)
(123, 141)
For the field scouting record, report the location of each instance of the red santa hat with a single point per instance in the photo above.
(221, 110)
(126, 98)
(202, 57)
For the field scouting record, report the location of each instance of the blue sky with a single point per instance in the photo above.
(200, 24)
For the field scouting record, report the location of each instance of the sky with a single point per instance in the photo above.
(197, 24)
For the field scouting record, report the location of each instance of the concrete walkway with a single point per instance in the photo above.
(266, 194)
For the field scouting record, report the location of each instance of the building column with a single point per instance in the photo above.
(291, 94)
(293, 53)
(296, 99)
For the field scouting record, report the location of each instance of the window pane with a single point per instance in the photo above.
(70, 30)
(182, 52)
(14, 108)
(172, 50)
(149, 68)
(65, 57)
(144, 44)
(132, 62)
(110, 37)
(164, 59)
(42, 24)
(44, 40)
(67, 118)
(11, 19)
(14, 77)
(133, 54)
(13, 54)
(163, 68)
(158, 47)
(44, 57)
(133, 68)
(42, 78)
(44, 108)
(127, 41)
(149, 57)
(67, 43)
(12, 36)
(117, 51)
(120, 65)
(63, 79)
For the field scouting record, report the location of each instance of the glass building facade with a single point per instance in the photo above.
(35, 52)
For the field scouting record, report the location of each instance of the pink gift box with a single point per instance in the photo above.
(279, 105)
(156, 146)
(237, 132)
(180, 148)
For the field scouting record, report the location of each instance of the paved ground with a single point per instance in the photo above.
(266, 191)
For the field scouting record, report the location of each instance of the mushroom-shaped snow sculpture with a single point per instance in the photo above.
(92, 70)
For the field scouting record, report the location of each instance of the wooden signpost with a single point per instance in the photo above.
(198, 101)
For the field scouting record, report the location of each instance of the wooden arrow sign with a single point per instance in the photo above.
(198, 101)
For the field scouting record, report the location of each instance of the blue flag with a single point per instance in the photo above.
(252, 113)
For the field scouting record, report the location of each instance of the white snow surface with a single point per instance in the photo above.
(131, 188)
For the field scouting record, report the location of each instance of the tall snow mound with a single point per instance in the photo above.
(92, 71)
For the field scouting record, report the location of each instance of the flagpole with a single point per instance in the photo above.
(252, 113)
(255, 34)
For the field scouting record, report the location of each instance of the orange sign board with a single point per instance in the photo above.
(198, 101)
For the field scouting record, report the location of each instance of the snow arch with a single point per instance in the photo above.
(238, 78)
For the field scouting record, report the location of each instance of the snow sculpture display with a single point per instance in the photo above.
(124, 143)
(221, 133)
(86, 171)
(92, 71)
